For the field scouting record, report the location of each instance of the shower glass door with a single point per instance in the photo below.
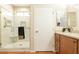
(15, 28)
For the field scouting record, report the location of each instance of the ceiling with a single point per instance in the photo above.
(20, 5)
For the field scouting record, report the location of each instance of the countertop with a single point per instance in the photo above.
(69, 34)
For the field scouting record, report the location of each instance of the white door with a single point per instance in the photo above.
(44, 29)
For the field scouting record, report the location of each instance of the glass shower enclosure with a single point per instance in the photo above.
(15, 28)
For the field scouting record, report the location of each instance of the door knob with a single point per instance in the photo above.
(36, 31)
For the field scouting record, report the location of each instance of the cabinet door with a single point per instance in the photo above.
(78, 46)
(57, 43)
(68, 45)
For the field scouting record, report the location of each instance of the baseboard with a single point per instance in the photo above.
(32, 51)
(46, 52)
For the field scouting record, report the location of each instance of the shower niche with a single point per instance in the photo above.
(21, 33)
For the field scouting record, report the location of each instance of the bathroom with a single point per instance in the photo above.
(20, 28)
(32, 27)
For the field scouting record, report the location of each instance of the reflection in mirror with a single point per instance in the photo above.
(61, 16)
(72, 16)
(72, 19)
(66, 16)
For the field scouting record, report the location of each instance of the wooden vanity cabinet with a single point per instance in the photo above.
(65, 45)
(57, 43)
(78, 46)
(68, 45)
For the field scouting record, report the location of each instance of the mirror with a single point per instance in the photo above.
(61, 16)
(66, 16)
(72, 19)
(72, 16)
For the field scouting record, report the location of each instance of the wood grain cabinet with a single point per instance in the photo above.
(66, 45)
(57, 43)
(78, 46)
